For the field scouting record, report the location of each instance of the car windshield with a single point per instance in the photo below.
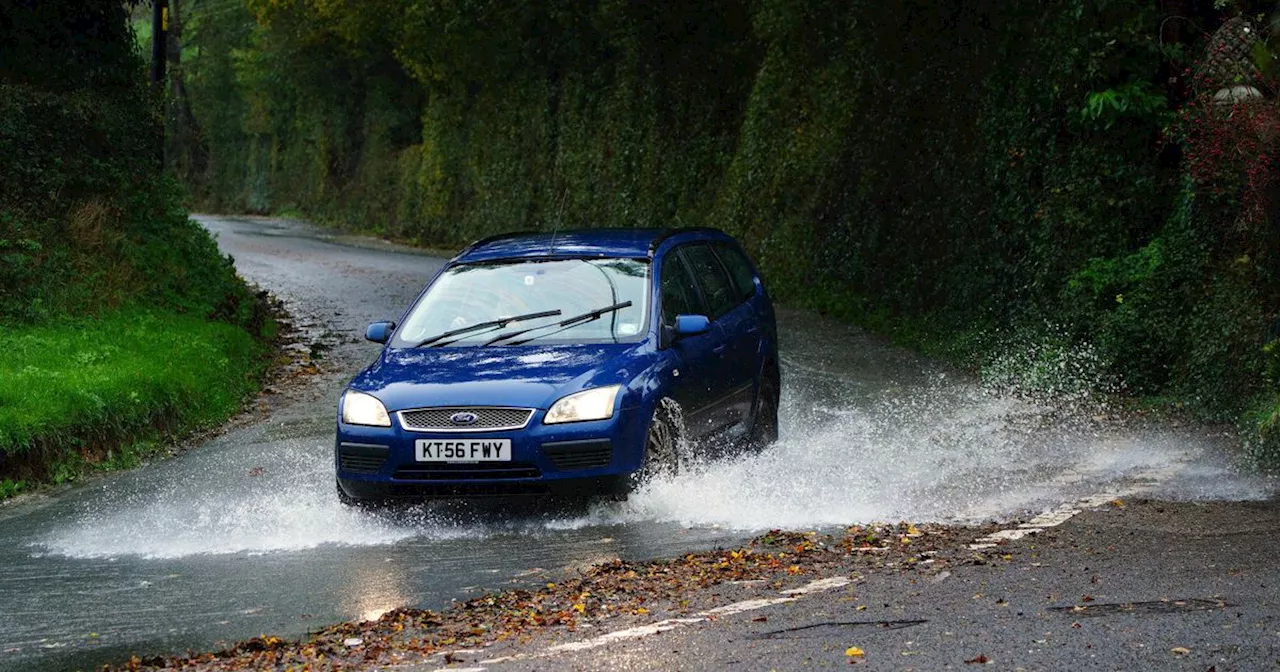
(471, 294)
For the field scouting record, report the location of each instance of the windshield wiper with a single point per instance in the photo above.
(564, 324)
(499, 323)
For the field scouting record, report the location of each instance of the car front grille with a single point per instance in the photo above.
(453, 419)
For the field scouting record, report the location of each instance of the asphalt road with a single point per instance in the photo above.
(1143, 586)
(242, 535)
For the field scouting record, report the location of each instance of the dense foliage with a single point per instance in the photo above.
(87, 220)
(120, 321)
(977, 172)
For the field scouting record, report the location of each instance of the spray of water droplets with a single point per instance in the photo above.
(905, 441)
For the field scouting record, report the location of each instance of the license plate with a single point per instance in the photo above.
(464, 450)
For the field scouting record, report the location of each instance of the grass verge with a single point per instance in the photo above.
(103, 393)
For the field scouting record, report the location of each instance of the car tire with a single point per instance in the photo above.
(661, 444)
(764, 425)
(349, 501)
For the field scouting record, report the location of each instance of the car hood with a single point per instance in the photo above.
(526, 376)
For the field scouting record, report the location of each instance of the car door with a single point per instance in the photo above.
(694, 369)
(742, 331)
(729, 319)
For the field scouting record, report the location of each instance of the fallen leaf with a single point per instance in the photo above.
(760, 619)
(980, 659)
(1180, 650)
(1118, 503)
(854, 652)
(580, 607)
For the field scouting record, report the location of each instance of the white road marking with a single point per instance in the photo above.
(746, 605)
(793, 594)
(1066, 512)
(1046, 520)
(1043, 521)
(619, 635)
(819, 585)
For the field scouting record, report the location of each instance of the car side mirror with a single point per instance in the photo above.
(692, 325)
(379, 332)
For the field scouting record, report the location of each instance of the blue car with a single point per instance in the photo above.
(567, 363)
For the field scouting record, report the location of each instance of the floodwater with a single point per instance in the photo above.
(244, 536)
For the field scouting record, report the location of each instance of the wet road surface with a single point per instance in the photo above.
(243, 535)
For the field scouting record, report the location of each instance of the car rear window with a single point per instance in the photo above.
(716, 286)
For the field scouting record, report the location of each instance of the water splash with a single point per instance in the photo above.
(868, 433)
(1047, 363)
(948, 452)
(220, 512)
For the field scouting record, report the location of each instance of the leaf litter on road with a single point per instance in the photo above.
(618, 590)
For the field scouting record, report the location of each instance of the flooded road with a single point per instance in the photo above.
(244, 535)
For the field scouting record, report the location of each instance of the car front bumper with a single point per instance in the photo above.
(570, 459)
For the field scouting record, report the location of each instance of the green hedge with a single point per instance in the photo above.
(119, 318)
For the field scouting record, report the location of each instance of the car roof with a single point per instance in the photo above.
(637, 243)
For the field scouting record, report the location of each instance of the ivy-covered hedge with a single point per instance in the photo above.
(113, 303)
(88, 221)
(951, 171)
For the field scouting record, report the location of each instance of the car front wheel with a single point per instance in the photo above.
(358, 502)
(764, 426)
(661, 444)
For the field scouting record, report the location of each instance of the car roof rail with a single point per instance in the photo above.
(668, 233)
(494, 238)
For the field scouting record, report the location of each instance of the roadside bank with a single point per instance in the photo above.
(101, 393)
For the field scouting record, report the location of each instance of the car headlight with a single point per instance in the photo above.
(359, 408)
(594, 404)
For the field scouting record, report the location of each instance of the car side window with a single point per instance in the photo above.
(716, 285)
(744, 279)
(679, 296)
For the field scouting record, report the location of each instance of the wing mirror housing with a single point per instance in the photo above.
(692, 325)
(379, 332)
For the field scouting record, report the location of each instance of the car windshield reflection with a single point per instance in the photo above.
(475, 294)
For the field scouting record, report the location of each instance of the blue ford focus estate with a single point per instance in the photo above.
(563, 363)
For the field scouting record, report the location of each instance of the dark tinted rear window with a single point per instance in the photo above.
(739, 269)
(716, 286)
